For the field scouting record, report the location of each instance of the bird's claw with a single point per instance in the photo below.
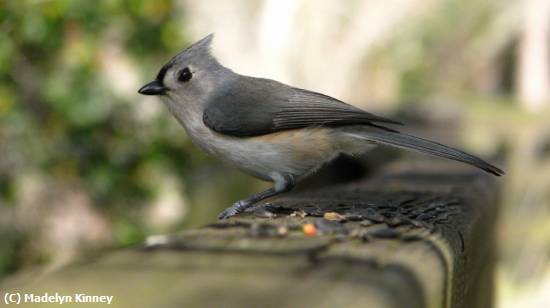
(236, 208)
(227, 213)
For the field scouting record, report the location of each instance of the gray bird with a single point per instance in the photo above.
(270, 130)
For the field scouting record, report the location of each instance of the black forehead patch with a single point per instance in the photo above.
(163, 71)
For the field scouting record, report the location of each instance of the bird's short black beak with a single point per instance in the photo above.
(154, 87)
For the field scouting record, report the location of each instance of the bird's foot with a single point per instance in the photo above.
(236, 208)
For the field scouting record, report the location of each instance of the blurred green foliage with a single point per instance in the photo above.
(59, 114)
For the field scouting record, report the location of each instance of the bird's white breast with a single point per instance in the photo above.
(298, 151)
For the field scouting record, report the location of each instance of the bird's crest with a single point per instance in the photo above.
(203, 44)
(200, 48)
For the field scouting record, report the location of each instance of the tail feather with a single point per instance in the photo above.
(409, 142)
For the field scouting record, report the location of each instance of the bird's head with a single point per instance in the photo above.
(190, 75)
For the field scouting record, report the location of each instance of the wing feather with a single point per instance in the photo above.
(253, 106)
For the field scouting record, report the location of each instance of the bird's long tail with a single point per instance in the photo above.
(410, 142)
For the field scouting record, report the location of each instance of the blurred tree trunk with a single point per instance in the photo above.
(533, 81)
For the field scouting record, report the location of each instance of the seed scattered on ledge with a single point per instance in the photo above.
(298, 213)
(282, 230)
(309, 229)
(333, 216)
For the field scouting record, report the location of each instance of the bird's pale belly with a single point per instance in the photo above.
(298, 152)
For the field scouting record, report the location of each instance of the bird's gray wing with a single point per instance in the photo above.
(254, 106)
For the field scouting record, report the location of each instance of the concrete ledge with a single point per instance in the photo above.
(418, 234)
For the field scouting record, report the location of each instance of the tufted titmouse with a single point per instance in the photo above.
(270, 130)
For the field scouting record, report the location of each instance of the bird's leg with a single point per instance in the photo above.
(283, 183)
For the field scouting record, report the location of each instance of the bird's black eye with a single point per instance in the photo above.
(184, 75)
